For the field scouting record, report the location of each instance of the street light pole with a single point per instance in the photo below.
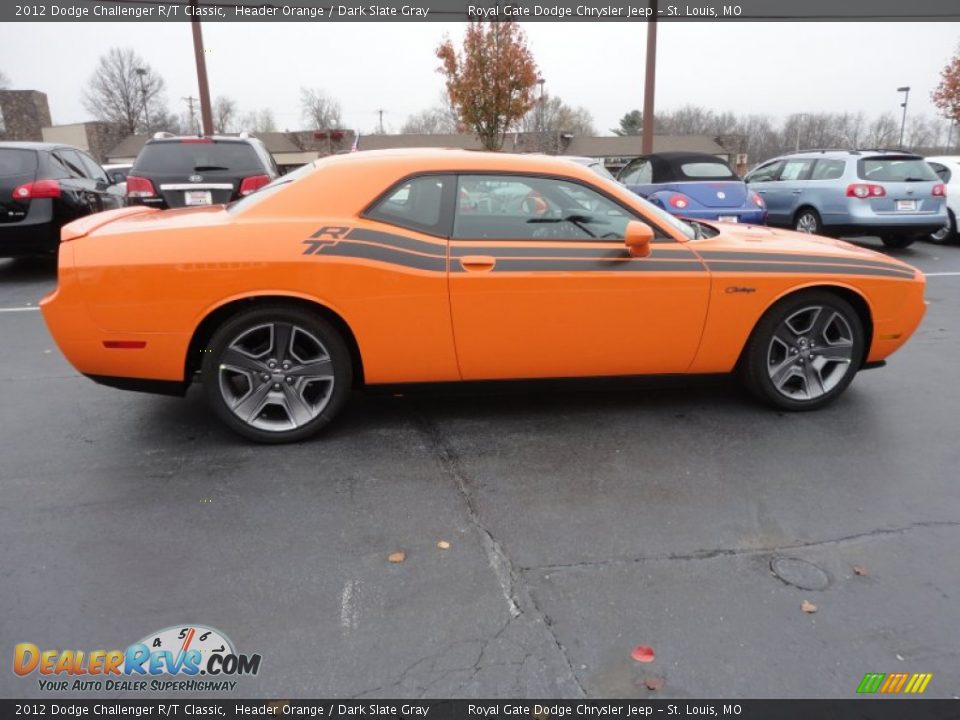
(650, 80)
(903, 122)
(540, 128)
(206, 113)
(143, 95)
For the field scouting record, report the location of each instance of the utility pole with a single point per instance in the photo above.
(649, 83)
(381, 111)
(903, 122)
(190, 100)
(205, 110)
(141, 72)
(541, 142)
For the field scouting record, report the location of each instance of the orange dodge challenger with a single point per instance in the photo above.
(443, 265)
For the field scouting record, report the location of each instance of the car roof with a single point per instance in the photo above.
(214, 138)
(943, 158)
(845, 154)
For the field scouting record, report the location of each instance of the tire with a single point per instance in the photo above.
(948, 234)
(807, 220)
(897, 242)
(784, 363)
(252, 390)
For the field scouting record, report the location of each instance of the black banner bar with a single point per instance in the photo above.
(859, 709)
(462, 10)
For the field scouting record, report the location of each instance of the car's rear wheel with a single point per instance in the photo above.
(804, 351)
(808, 220)
(948, 233)
(897, 242)
(277, 373)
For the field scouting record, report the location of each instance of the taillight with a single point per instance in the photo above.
(758, 201)
(138, 187)
(679, 201)
(38, 189)
(865, 190)
(939, 190)
(253, 183)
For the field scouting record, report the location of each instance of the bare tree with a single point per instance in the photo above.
(552, 115)
(435, 120)
(319, 111)
(224, 114)
(125, 90)
(259, 121)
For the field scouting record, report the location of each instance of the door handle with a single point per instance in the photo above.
(762, 192)
(478, 263)
(797, 192)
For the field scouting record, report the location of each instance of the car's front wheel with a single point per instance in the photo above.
(277, 373)
(804, 351)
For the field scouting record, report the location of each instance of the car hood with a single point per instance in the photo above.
(750, 239)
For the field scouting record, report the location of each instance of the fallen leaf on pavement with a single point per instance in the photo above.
(443, 545)
(397, 557)
(643, 653)
(653, 683)
(859, 570)
(808, 607)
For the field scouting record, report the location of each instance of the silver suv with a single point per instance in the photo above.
(891, 194)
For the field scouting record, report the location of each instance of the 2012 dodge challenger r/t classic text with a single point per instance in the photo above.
(443, 265)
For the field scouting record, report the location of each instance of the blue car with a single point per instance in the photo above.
(694, 185)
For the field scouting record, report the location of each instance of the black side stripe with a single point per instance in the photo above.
(599, 253)
(722, 255)
(762, 268)
(392, 256)
(574, 265)
(401, 242)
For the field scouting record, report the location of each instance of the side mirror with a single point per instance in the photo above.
(639, 235)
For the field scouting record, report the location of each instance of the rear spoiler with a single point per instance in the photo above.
(86, 225)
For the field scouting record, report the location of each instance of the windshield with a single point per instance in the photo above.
(189, 157)
(271, 188)
(602, 171)
(704, 170)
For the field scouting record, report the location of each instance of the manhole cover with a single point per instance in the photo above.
(799, 573)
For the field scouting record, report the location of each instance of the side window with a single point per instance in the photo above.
(506, 207)
(796, 170)
(638, 172)
(72, 162)
(766, 173)
(828, 170)
(92, 169)
(417, 204)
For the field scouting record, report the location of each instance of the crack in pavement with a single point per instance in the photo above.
(511, 582)
(732, 552)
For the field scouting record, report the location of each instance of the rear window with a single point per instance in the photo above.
(190, 157)
(895, 169)
(701, 170)
(17, 162)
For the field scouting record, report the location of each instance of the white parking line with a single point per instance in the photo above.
(18, 309)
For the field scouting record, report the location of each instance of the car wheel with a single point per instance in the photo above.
(948, 233)
(808, 221)
(804, 351)
(897, 242)
(277, 373)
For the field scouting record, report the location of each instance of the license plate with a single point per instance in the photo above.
(728, 218)
(197, 197)
(906, 204)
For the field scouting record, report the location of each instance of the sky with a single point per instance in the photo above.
(766, 68)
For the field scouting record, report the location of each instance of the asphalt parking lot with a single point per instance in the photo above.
(582, 521)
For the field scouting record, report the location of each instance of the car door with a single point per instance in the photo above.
(77, 191)
(825, 191)
(791, 188)
(101, 183)
(541, 284)
(764, 180)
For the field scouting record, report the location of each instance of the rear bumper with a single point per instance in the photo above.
(27, 238)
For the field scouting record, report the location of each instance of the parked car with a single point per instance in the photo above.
(173, 172)
(117, 172)
(44, 186)
(362, 269)
(693, 185)
(888, 193)
(947, 169)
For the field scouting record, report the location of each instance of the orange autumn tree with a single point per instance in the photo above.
(491, 80)
(946, 96)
